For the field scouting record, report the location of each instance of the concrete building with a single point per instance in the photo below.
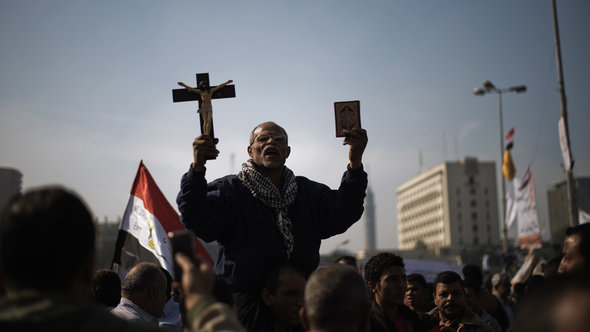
(558, 205)
(453, 204)
(370, 221)
(10, 184)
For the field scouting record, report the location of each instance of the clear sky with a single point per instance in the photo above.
(85, 89)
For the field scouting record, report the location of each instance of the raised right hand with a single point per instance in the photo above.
(204, 147)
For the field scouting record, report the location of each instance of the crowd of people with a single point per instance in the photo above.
(269, 224)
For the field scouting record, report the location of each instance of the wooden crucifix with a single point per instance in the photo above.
(203, 94)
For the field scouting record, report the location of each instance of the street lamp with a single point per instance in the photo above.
(489, 87)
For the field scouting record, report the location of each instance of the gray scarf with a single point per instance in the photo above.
(279, 199)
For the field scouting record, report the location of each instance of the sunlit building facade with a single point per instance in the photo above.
(451, 204)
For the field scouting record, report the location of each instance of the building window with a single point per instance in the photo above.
(460, 228)
(474, 228)
(460, 240)
(473, 215)
(472, 191)
(458, 204)
(458, 191)
(459, 216)
(473, 203)
(470, 180)
(485, 190)
(487, 203)
(475, 240)
(488, 228)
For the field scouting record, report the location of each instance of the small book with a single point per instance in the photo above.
(348, 116)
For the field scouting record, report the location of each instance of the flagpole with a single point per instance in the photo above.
(489, 87)
(503, 217)
(571, 188)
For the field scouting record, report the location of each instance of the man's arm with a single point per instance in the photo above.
(205, 313)
(200, 211)
(357, 139)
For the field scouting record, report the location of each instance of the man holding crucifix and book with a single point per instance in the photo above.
(265, 215)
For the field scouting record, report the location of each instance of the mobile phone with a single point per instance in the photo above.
(184, 242)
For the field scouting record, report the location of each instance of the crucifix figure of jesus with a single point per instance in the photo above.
(204, 93)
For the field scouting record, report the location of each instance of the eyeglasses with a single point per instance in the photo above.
(280, 138)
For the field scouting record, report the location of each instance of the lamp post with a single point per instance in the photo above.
(489, 87)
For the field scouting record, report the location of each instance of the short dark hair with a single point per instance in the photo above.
(106, 287)
(447, 277)
(252, 137)
(379, 263)
(336, 294)
(473, 273)
(46, 235)
(417, 278)
(583, 231)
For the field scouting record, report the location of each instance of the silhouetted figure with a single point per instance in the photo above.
(106, 287)
(335, 300)
(58, 222)
(417, 297)
(561, 303)
(473, 275)
(283, 295)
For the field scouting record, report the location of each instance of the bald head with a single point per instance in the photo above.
(145, 285)
(265, 124)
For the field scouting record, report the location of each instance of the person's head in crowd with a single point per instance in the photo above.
(501, 285)
(283, 294)
(145, 285)
(562, 304)
(336, 300)
(47, 229)
(449, 296)
(106, 287)
(473, 273)
(417, 294)
(386, 277)
(576, 249)
(472, 295)
(347, 259)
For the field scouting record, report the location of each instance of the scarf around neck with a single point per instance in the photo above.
(278, 198)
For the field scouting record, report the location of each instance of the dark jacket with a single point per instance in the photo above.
(55, 312)
(469, 322)
(245, 228)
(380, 322)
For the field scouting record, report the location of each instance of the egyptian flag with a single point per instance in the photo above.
(143, 231)
(508, 168)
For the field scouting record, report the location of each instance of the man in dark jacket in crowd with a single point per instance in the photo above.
(265, 215)
(451, 313)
